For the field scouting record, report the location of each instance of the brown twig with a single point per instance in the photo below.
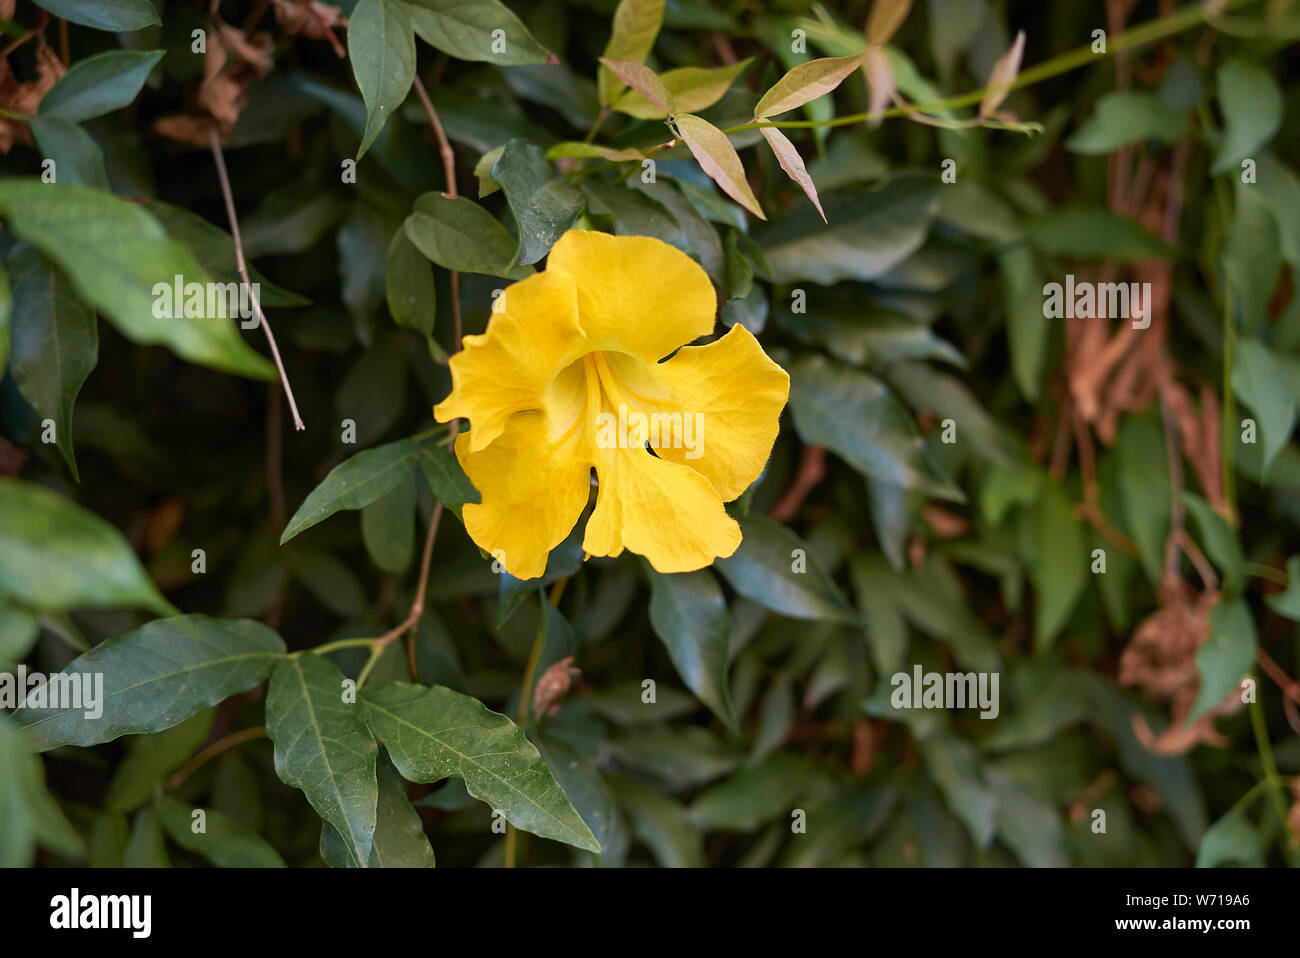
(811, 471)
(243, 271)
(213, 750)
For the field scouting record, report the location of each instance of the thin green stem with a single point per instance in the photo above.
(1266, 759)
(1261, 571)
(341, 644)
(376, 651)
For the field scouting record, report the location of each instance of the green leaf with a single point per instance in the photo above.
(331, 581)
(1224, 657)
(355, 483)
(223, 841)
(1251, 105)
(690, 616)
(381, 46)
(464, 29)
(636, 25)
(115, 253)
(955, 766)
(408, 282)
(388, 528)
(690, 89)
(76, 157)
(434, 733)
(1232, 839)
(447, 480)
(158, 676)
(147, 847)
(718, 158)
(1127, 116)
(458, 234)
(753, 796)
(545, 208)
(804, 83)
(400, 841)
(1027, 330)
(6, 320)
(1252, 257)
(55, 343)
(100, 84)
(1144, 490)
(871, 232)
(19, 629)
(1287, 603)
(662, 824)
(1220, 541)
(776, 569)
(1261, 382)
(322, 746)
(857, 417)
(214, 248)
(118, 15)
(1060, 568)
(151, 758)
(1092, 233)
(55, 555)
(30, 814)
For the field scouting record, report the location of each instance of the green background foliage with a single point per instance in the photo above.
(951, 464)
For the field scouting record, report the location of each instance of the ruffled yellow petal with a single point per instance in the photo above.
(635, 294)
(735, 395)
(668, 513)
(534, 480)
(507, 369)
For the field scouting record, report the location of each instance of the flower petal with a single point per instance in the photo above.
(668, 513)
(734, 391)
(507, 369)
(534, 483)
(636, 294)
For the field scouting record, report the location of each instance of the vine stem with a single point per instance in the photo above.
(243, 271)
(213, 750)
(1266, 759)
(525, 687)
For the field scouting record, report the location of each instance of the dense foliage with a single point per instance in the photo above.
(993, 459)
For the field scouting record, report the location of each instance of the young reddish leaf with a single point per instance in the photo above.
(718, 158)
(880, 82)
(792, 163)
(692, 89)
(636, 24)
(1002, 76)
(886, 17)
(805, 82)
(644, 80)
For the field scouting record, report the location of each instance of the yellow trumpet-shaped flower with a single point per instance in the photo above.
(568, 378)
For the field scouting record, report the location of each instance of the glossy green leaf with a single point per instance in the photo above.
(1092, 233)
(115, 15)
(381, 46)
(76, 158)
(1261, 382)
(355, 483)
(871, 232)
(1127, 116)
(400, 841)
(1251, 104)
(776, 569)
(55, 343)
(151, 758)
(856, 416)
(433, 733)
(388, 527)
(322, 746)
(99, 84)
(544, 207)
(464, 29)
(1060, 568)
(408, 284)
(458, 234)
(446, 477)
(222, 840)
(690, 616)
(115, 253)
(157, 677)
(56, 555)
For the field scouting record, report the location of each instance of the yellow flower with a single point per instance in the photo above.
(568, 378)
